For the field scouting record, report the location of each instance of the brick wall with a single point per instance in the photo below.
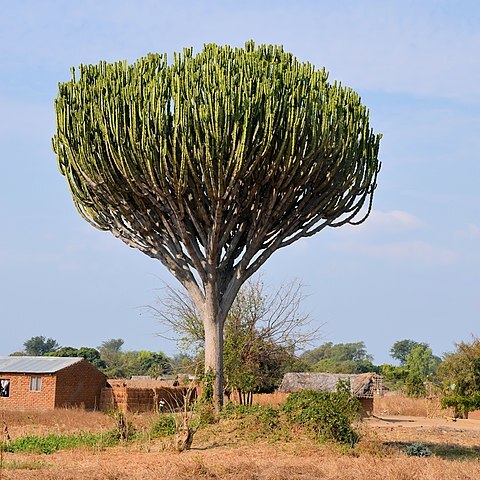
(79, 384)
(120, 396)
(22, 398)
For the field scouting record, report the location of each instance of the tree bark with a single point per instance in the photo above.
(213, 325)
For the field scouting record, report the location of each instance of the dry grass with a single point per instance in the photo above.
(397, 404)
(225, 451)
(270, 399)
(261, 461)
(62, 420)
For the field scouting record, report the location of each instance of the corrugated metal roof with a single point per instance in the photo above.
(36, 364)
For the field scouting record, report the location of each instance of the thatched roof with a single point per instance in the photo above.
(361, 385)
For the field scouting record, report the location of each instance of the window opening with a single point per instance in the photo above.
(35, 384)
(4, 387)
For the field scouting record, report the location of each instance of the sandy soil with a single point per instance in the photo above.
(389, 421)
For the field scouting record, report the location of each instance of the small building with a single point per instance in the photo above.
(364, 386)
(49, 382)
(145, 395)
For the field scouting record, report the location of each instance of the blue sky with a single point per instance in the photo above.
(412, 271)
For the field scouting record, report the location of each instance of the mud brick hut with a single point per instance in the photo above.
(139, 395)
(49, 382)
(364, 386)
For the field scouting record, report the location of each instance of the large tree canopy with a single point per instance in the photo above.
(214, 161)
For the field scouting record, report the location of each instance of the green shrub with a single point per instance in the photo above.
(52, 443)
(417, 449)
(165, 426)
(264, 419)
(325, 415)
(205, 414)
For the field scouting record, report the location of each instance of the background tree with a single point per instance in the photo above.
(460, 375)
(421, 366)
(417, 365)
(91, 355)
(111, 354)
(37, 346)
(402, 348)
(339, 358)
(213, 162)
(263, 329)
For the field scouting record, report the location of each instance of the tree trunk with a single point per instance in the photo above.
(214, 354)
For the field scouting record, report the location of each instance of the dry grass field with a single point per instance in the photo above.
(228, 450)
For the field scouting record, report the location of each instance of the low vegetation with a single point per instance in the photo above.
(256, 442)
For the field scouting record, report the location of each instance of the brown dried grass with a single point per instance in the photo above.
(398, 404)
(61, 420)
(224, 452)
(270, 399)
(259, 462)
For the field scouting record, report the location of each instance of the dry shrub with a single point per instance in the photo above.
(399, 404)
(270, 399)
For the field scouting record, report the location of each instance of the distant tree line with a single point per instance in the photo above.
(260, 348)
(110, 358)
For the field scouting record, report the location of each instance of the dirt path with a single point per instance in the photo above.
(389, 421)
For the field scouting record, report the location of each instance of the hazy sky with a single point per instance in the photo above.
(412, 271)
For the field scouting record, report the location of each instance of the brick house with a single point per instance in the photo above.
(49, 382)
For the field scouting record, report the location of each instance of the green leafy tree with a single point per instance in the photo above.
(402, 348)
(93, 356)
(418, 367)
(421, 366)
(460, 375)
(38, 346)
(214, 161)
(144, 362)
(111, 354)
(64, 352)
(339, 358)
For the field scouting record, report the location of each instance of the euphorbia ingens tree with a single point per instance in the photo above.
(211, 163)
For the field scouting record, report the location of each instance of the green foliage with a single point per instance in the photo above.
(460, 377)
(417, 449)
(53, 442)
(164, 426)
(91, 355)
(38, 346)
(124, 429)
(421, 365)
(64, 352)
(326, 415)
(394, 376)
(339, 358)
(207, 387)
(402, 348)
(417, 366)
(262, 420)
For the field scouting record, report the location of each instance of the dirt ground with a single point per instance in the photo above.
(221, 454)
(402, 421)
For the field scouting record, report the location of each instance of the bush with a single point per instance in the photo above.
(264, 419)
(326, 415)
(417, 449)
(165, 426)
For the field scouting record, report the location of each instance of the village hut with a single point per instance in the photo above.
(364, 386)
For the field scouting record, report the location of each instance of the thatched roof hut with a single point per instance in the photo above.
(363, 385)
